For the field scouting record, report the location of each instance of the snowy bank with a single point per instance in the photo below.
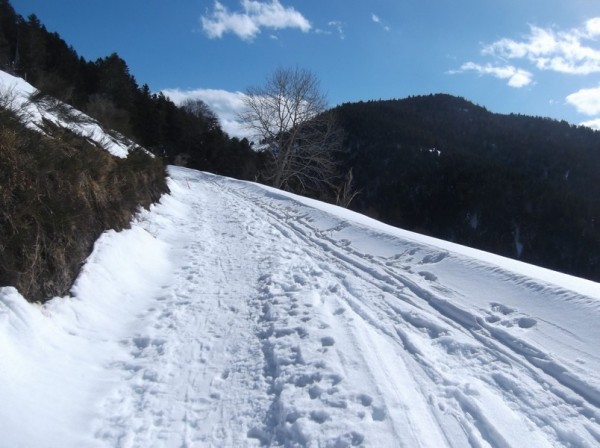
(20, 96)
(232, 314)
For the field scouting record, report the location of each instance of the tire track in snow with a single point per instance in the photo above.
(277, 332)
(492, 344)
(405, 423)
(311, 402)
(245, 357)
(189, 379)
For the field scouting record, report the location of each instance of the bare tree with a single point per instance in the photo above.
(288, 117)
(200, 109)
(345, 191)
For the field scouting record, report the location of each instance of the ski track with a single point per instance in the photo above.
(277, 321)
(278, 330)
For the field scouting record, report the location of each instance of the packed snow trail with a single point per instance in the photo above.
(263, 319)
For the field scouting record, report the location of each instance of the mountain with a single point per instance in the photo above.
(232, 314)
(519, 186)
(523, 187)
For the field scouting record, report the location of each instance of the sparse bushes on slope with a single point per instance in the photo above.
(58, 193)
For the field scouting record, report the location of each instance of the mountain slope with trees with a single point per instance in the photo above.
(523, 187)
(108, 92)
(59, 189)
(519, 186)
(63, 181)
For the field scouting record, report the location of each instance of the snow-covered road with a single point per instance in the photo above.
(236, 315)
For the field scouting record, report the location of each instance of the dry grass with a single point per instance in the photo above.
(58, 193)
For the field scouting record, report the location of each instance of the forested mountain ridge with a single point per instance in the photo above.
(523, 187)
(519, 186)
(60, 186)
(108, 92)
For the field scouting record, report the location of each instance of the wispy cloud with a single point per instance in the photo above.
(515, 77)
(586, 101)
(254, 16)
(223, 103)
(333, 27)
(339, 27)
(375, 18)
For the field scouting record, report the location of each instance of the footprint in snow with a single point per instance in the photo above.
(306, 379)
(526, 322)
(365, 400)
(521, 322)
(352, 438)
(433, 258)
(300, 279)
(492, 319)
(500, 308)
(327, 341)
(319, 416)
(378, 414)
(315, 392)
(428, 276)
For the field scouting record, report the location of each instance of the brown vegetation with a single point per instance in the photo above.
(58, 193)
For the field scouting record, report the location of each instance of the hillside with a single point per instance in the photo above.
(145, 305)
(63, 181)
(235, 315)
(519, 186)
(105, 90)
(523, 187)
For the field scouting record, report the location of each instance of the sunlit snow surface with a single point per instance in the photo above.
(234, 315)
(16, 94)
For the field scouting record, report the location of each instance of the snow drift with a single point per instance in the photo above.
(232, 314)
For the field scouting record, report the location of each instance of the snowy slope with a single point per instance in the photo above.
(16, 94)
(236, 315)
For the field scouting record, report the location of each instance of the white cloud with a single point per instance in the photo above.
(339, 28)
(334, 26)
(575, 51)
(594, 124)
(515, 77)
(586, 101)
(592, 27)
(254, 16)
(223, 103)
(375, 18)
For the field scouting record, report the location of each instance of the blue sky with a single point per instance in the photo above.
(535, 57)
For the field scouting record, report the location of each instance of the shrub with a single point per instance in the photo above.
(58, 193)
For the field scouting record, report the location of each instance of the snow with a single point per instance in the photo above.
(232, 314)
(16, 94)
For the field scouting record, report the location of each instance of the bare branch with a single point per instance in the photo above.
(288, 116)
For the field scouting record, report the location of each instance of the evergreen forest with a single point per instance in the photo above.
(519, 186)
(108, 92)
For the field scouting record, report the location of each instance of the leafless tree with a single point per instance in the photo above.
(288, 117)
(200, 109)
(345, 191)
